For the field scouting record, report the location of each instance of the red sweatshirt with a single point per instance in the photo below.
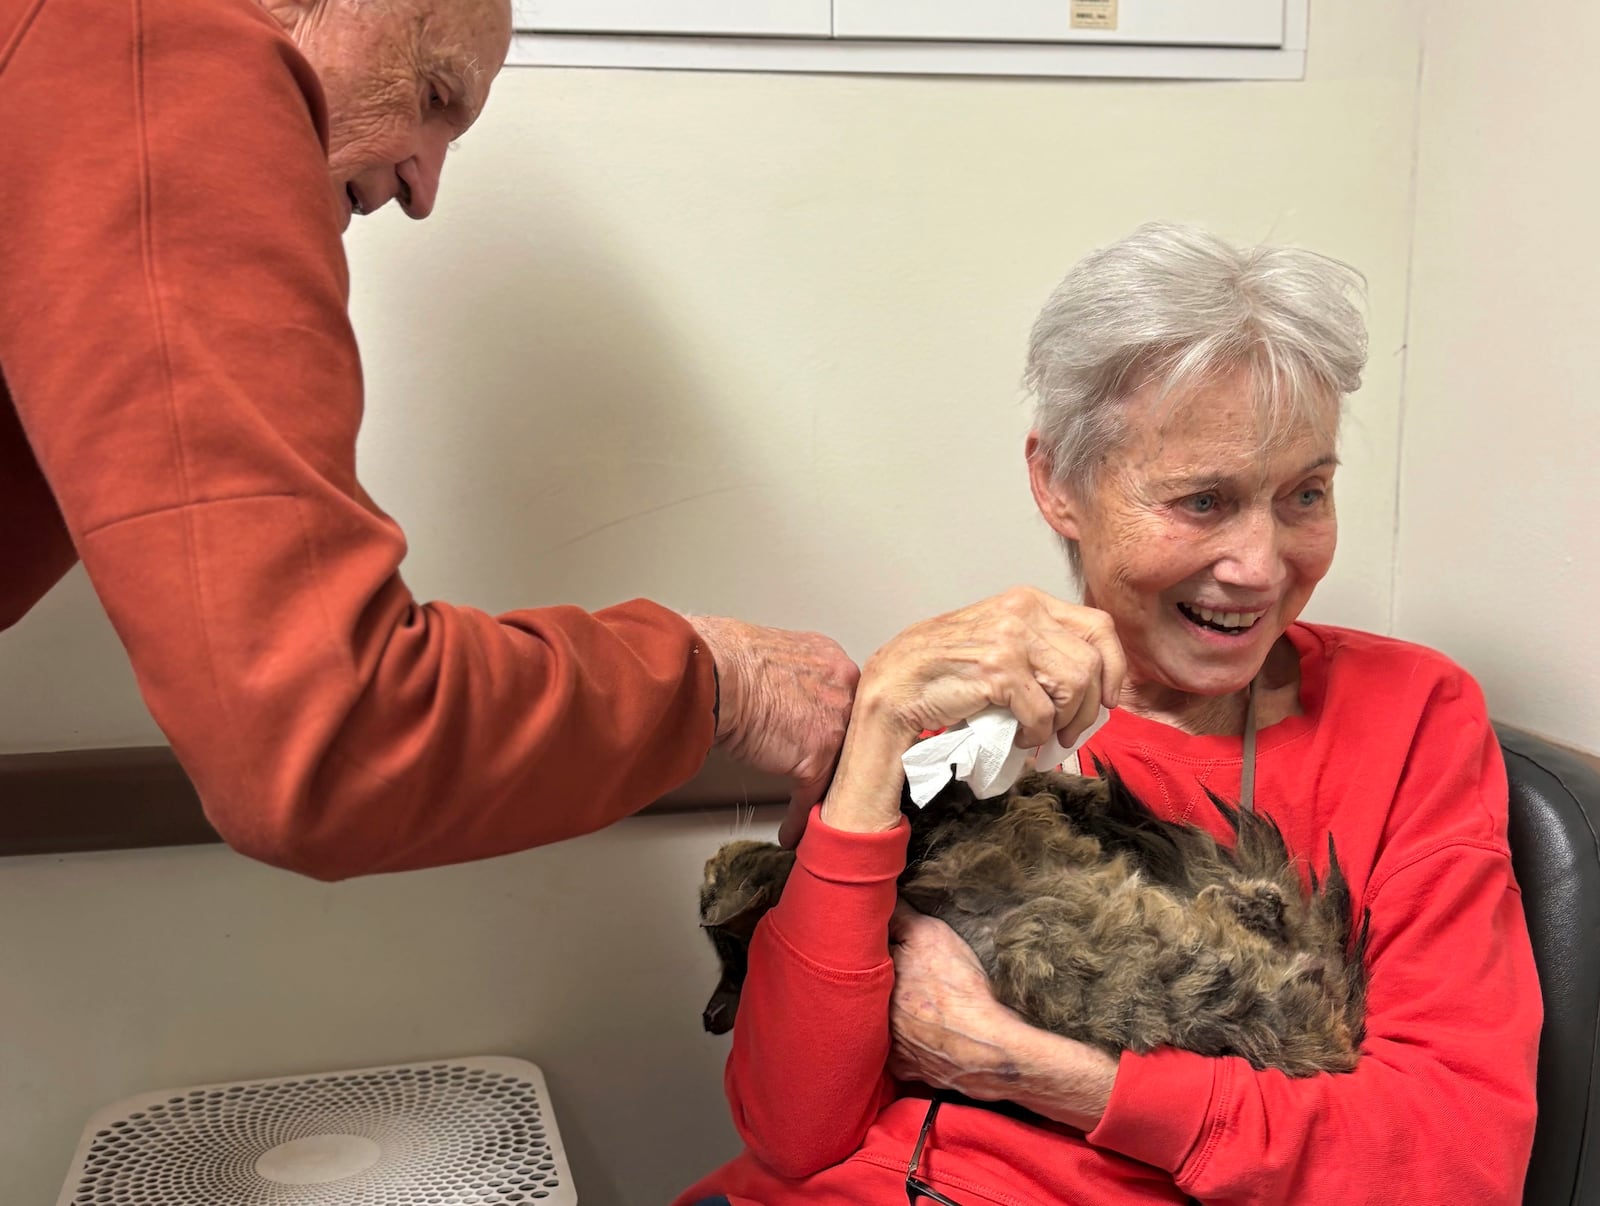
(1394, 756)
(179, 397)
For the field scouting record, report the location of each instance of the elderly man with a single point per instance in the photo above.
(179, 398)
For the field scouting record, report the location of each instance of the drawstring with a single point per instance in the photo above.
(1247, 774)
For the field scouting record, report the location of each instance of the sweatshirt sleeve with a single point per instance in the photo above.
(1440, 1107)
(173, 331)
(806, 1075)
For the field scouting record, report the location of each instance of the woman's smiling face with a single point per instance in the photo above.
(1202, 542)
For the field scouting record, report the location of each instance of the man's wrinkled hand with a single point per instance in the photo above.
(785, 706)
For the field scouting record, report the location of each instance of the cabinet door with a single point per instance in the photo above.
(754, 18)
(1139, 22)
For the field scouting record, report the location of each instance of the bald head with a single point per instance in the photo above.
(404, 78)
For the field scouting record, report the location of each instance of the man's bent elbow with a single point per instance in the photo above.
(290, 834)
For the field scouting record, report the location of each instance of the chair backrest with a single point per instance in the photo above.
(1555, 817)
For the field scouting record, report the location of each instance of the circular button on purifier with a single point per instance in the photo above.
(318, 1159)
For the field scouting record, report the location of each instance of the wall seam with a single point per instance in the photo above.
(1405, 330)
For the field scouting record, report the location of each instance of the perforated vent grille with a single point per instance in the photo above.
(467, 1133)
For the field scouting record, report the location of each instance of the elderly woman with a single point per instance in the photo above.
(180, 392)
(1188, 405)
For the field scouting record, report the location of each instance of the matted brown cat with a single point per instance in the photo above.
(1097, 920)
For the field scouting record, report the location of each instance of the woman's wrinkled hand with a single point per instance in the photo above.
(948, 1031)
(1049, 663)
(946, 1026)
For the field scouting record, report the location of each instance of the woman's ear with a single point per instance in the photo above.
(1056, 501)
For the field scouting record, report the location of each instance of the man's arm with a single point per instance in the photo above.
(173, 331)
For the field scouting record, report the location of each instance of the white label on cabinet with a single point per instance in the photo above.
(1094, 14)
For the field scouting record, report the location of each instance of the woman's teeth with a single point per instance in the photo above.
(1226, 621)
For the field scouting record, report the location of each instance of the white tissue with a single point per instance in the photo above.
(983, 754)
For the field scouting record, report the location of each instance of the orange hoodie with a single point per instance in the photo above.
(179, 398)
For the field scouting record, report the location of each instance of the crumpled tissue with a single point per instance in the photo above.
(983, 754)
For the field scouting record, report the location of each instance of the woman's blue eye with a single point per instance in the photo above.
(1310, 496)
(1203, 504)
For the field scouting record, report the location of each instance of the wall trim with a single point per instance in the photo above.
(73, 801)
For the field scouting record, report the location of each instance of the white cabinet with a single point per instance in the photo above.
(1139, 39)
(1142, 22)
(744, 18)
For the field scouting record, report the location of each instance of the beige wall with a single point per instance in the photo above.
(152, 970)
(1499, 559)
(744, 344)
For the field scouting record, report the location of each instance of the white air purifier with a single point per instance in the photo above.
(462, 1132)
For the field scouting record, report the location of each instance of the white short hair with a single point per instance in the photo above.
(1177, 305)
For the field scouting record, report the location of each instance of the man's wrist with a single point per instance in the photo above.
(716, 635)
(716, 697)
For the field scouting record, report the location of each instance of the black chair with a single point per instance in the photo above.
(1555, 848)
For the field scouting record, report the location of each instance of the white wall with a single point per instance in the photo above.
(1499, 561)
(745, 344)
(152, 970)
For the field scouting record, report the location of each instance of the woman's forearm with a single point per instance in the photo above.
(1059, 1078)
(806, 1076)
(1003, 1058)
(865, 794)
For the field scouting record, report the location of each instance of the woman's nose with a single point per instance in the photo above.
(1254, 559)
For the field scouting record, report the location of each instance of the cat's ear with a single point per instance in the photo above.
(738, 918)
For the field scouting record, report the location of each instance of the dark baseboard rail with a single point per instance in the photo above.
(126, 799)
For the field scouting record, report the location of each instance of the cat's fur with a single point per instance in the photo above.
(1097, 920)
